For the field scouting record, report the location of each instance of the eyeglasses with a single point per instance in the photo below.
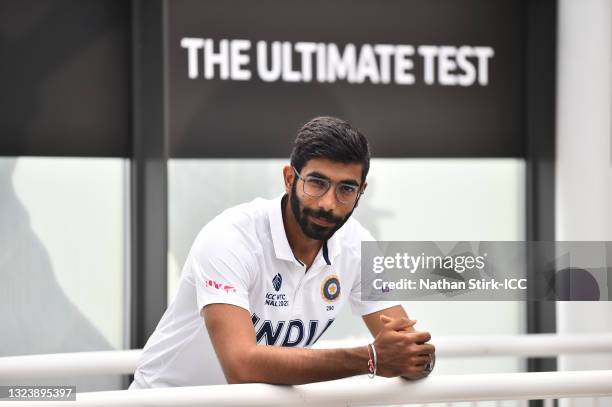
(316, 187)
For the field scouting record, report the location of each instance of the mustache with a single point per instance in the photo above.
(326, 216)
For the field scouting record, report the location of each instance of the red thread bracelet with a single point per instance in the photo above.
(371, 365)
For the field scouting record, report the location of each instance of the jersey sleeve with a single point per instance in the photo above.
(220, 268)
(358, 306)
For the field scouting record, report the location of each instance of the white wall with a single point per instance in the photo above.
(584, 151)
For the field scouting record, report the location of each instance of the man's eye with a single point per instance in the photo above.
(348, 189)
(317, 183)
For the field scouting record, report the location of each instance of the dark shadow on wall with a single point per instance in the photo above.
(36, 316)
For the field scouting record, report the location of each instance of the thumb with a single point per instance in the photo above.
(385, 319)
(397, 323)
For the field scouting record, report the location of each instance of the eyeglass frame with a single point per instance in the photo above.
(359, 193)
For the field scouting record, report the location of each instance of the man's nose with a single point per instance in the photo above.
(328, 201)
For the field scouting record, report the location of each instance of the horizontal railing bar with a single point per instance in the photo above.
(534, 345)
(125, 361)
(435, 389)
(113, 362)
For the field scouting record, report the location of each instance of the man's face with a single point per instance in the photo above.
(319, 218)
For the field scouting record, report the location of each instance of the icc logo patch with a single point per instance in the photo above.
(330, 288)
(277, 281)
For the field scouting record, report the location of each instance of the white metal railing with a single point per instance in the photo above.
(69, 364)
(534, 345)
(435, 389)
(124, 362)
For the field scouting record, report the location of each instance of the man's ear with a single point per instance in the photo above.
(288, 177)
(365, 185)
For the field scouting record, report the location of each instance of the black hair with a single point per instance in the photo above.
(333, 139)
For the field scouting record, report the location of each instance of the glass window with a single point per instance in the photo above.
(63, 258)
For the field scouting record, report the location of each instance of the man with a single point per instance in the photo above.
(264, 280)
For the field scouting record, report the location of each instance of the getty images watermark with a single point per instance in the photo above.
(486, 271)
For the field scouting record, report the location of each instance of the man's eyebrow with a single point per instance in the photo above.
(344, 181)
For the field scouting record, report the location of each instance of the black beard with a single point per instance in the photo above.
(311, 229)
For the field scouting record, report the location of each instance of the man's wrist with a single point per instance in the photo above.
(357, 360)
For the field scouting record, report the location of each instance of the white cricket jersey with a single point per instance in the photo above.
(242, 257)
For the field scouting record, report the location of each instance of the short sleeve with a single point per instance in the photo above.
(220, 267)
(358, 306)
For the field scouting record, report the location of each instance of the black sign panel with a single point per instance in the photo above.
(440, 78)
(65, 78)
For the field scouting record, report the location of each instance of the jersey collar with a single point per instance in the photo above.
(330, 248)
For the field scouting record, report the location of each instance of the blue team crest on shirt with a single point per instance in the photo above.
(330, 288)
(277, 281)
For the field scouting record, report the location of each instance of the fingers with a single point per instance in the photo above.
(417, 371)
(403, 324)
(420, 337)
(426, 348)
(421, 360)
